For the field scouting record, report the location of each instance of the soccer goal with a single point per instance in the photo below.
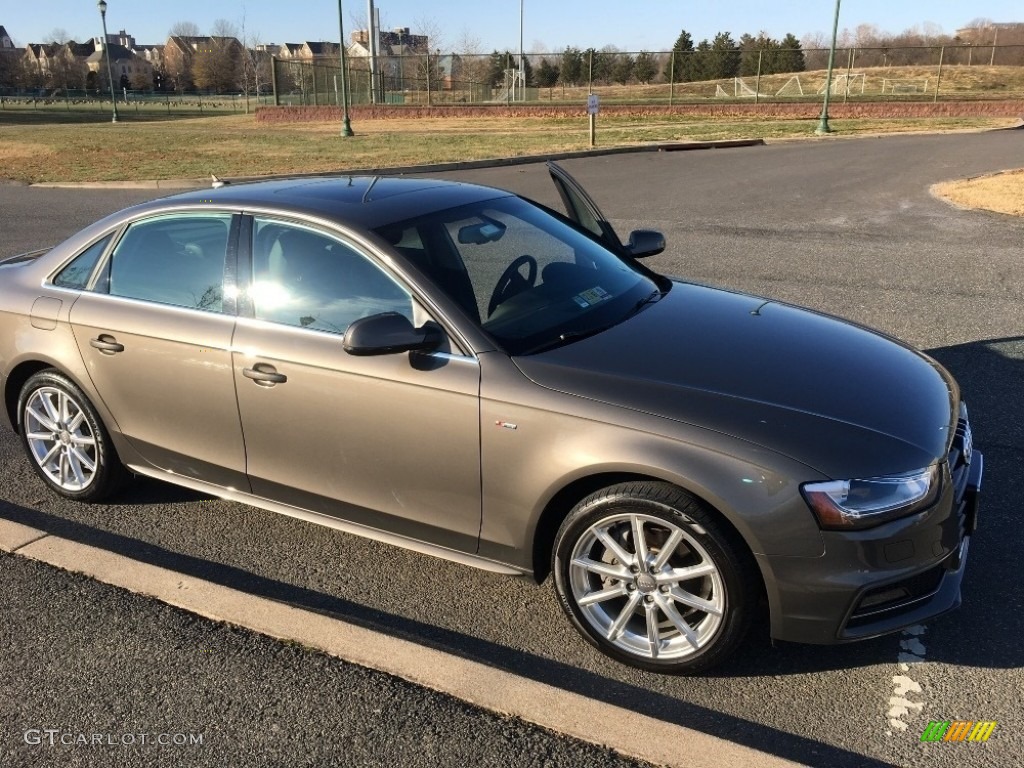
(741, 89)
(791, 88)
(845, 83)
(896, 87)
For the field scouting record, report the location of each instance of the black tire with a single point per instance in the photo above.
(80, 461)
(636, 614)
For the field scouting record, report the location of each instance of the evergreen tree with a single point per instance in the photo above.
(646, 68)
(699, 66)
(724, 58)
(625, 67)
(685, 66)
(547, 74)
(598, 66)
(571, 69)
(749, 52)
(500, 62)
(791, 55)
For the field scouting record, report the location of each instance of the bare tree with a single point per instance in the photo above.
(255, 62)
(224, 28)
(474, 64)
(218, 63)
(58, 35)
(185, 29)
(434, 32)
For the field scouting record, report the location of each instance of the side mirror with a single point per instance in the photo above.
(388, 333)
(645, 242)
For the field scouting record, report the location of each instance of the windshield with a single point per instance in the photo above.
(525, 276)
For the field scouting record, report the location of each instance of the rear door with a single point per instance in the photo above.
(155, 334)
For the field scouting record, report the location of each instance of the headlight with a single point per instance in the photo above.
(850, 504)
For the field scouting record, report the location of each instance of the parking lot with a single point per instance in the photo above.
(843, 226)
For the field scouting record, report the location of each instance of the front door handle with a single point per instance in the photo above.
(264, 375)
(106, 344)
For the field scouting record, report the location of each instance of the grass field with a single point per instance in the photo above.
(57, 146)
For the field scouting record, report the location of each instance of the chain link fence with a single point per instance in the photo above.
(78, 100)
(924, 73)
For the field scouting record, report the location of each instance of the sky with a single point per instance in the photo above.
(548, 25)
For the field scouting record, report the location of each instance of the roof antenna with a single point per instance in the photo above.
(217, 183)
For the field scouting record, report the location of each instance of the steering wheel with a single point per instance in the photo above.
(512, 281)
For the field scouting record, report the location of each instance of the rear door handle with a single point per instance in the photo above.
(264, 375)
(106, 344)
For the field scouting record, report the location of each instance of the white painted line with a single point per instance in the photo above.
(627, 732)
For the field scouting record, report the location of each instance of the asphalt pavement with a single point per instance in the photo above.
(159, 686)
(844, 226)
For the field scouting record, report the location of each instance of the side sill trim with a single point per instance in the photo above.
(356, 529)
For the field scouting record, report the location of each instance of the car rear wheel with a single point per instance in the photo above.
(65, 439)
(653, 578)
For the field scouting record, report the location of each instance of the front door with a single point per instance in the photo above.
(390, 441)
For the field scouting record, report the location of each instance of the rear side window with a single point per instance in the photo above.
(76, 274)
(177, 259)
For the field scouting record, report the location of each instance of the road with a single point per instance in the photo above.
(846, 226)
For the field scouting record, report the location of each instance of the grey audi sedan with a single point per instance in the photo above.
(464, 372)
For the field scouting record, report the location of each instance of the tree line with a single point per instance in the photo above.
(719, 58)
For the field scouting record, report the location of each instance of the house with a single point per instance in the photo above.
(396, 42)
(59, 65)
(206, 62)
(129, 71)
(154, 54)
(308, 51)
(6, 43)
(10, 58)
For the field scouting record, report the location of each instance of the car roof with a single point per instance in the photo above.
(359, 201)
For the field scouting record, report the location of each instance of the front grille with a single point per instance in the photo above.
(961, 452)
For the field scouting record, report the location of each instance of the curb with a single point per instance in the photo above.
(466, 165)
(627, 732)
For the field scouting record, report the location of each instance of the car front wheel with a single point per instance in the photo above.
(653, 578)
(65, 439)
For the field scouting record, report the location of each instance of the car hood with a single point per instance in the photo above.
(842, 399)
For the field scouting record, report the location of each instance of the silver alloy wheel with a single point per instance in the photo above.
(61, 439)
(647, 586)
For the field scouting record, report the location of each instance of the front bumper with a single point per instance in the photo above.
(882, 580)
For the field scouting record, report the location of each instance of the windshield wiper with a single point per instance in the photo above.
(567, 338)
(653, 297)
(570, 336)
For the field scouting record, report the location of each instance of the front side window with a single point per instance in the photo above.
(307, 279)
(177, 259)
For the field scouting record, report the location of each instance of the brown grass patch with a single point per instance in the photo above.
(1001, 192)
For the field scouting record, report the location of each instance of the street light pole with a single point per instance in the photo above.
(823, 123)
(346, 124)
(102, 5)
(522, 60)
